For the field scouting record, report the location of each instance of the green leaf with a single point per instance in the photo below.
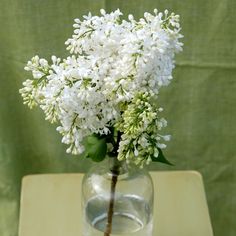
(161, 158)
(95, 148)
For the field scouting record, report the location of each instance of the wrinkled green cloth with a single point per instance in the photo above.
(199, 104)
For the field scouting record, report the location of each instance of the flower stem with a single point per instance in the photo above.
(115, 171)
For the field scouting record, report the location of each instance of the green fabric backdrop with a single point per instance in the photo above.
(199, 104)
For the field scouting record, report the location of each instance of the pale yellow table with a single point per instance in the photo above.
(50, 205)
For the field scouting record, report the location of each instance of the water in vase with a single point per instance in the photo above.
(131, 217)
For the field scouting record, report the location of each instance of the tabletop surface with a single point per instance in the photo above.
(50, 205)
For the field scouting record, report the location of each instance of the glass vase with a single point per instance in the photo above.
(117, 199)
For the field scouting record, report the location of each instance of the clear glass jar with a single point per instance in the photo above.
(117, 200)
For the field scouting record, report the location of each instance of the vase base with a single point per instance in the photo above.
(130, 217)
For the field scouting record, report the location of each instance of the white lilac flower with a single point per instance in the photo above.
(111, 79)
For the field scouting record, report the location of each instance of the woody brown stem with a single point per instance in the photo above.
(114, 179)
(115, 173)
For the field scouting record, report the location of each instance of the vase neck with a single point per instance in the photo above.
(117, 167)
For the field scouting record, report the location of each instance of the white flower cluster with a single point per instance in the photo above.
(111, 78)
